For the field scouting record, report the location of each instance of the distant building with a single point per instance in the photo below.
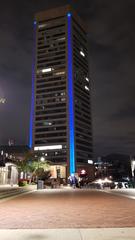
(2, 100)
(10, 142)
(115, 165)
(13, 151)
(61, 125)
(8, 157)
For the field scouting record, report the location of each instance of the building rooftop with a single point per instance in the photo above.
(58, 12)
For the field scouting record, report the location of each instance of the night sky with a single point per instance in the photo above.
(111, 38)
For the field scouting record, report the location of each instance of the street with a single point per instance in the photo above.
(127, 192)
(67, 208)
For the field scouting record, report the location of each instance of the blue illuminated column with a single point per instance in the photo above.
(70, 96)
(32, 93)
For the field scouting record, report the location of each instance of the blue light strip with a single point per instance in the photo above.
(32, 92)
(70, 94)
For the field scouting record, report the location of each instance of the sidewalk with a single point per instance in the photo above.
(8, 192)
(72, 234)
(8, 186)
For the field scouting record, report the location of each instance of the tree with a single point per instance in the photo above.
(33, 166)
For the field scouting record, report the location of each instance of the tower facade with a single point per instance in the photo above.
(60, 112)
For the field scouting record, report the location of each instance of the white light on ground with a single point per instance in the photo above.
(100, 181)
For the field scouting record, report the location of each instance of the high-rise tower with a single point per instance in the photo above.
(61, 111)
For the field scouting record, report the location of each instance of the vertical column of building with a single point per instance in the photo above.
(82, 96)
(70, 96)
(50, 88)
(32, 90)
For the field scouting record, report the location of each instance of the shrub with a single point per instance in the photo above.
(22, 183)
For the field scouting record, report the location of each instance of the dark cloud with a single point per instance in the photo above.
(111, 39)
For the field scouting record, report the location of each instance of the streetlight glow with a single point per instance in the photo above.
(42, 159)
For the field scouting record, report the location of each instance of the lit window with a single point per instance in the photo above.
(87, 79)
(47, 123)
(61, 39)
(48, 147)
(46, 70)
(82, 53)
(60, 73)
(42, 25)
(86, 88)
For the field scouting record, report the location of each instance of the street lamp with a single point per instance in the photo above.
(40, 182)
(42, 159)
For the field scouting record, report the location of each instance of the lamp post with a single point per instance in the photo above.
(40, 182)
(40, 160)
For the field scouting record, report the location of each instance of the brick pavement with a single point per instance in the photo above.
(67, 209)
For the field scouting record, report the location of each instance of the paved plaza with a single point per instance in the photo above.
(63, 214)
(67, 208)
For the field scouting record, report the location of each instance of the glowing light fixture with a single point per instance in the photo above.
(90, 161)
(83, 171)
(42, 159)
(69, 14)
(70, 95)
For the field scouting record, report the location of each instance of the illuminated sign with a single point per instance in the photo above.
(52, 147)
(83, 172)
